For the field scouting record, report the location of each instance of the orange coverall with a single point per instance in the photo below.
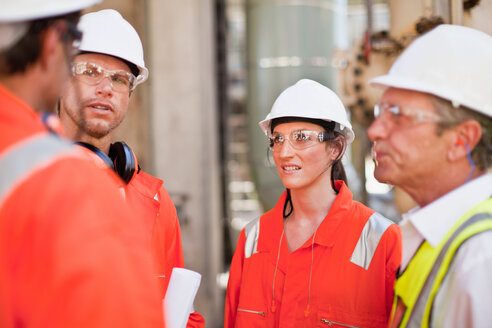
(353, 258)
(70, 253)
(155, 209)
(147, 196)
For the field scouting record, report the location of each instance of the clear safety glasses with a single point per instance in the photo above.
(93, 74)
(405, 116)
(70, 35)
(298, 139)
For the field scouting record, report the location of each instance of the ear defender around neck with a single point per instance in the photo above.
(98, 152)
(124, 160)
(120, 158)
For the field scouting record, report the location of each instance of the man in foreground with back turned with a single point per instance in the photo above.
(432, 137)
(66, 257)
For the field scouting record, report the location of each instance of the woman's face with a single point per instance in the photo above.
(302, 161)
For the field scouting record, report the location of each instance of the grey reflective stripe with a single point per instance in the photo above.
(369, 240)
(27, 156)
(417, 314)
(252, 232)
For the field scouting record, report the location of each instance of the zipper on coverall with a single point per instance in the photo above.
(331, 323)
(254, 312)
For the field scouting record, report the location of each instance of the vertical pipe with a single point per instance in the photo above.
(457, 12)
(369, 16)
(287, 40)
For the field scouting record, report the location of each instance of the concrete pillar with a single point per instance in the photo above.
(184, 133)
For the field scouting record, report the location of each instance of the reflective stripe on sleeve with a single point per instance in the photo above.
(27, 156)
(252, 232)
(369, 240)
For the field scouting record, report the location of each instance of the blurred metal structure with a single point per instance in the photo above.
(373, 55)
(287, 40)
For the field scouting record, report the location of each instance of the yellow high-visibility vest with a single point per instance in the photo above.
(417, 285)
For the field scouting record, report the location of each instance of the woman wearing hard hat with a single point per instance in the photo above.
(318, 258)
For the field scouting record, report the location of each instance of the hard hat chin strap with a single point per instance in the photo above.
(288, 204)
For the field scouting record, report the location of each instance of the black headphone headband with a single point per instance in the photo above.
(98, 152)
(121, 158)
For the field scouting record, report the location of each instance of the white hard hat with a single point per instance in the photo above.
(310, 99)
(14, 15)
(28, 10)
(107, 32)
(452, 62)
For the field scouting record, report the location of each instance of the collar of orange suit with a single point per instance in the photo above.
(146, 184)
(326, 232)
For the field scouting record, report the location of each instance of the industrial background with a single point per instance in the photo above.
(216, 67)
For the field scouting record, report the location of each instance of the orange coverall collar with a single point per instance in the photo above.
(326, 231)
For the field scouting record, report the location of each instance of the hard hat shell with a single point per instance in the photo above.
(452, 62)
(107, 32)
(12, 11)
(310, 99)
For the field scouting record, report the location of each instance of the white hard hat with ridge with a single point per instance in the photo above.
(452, 62)
(310, 99)
(107, 32)
(15, 15)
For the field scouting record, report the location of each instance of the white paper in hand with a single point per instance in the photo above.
(180, 294)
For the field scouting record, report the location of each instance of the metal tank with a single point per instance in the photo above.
(287, 40)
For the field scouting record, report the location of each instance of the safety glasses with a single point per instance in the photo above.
(70, 35)
(298, 139)
(405, 116)
(93, 74)
(73, 34)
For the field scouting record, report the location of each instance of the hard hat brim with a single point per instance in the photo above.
(19, 11)
(451, 62)
(388, 80)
